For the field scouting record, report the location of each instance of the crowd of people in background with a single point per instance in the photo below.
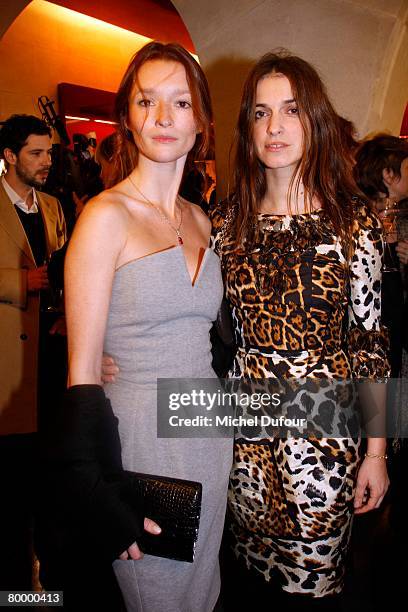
(309, 255)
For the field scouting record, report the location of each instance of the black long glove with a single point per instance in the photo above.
(84, 472)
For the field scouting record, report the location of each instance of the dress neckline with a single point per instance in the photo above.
(177, 248)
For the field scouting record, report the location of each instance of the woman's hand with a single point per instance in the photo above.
(372, 485)
(109, 369)
(134, 552)
(402, 251)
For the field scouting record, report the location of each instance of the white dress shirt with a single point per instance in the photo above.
(16, 200)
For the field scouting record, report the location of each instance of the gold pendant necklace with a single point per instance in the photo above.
(161, 214)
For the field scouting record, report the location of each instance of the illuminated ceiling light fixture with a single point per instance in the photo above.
(71, 118)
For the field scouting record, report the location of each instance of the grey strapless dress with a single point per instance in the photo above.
(158, 327)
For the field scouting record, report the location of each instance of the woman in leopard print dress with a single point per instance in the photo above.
(301, 256)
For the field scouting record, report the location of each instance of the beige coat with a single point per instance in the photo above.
(19, 313)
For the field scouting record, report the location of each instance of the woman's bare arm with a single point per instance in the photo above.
(98, 239)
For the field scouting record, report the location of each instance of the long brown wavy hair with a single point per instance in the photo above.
(325, 168)
(126, 153)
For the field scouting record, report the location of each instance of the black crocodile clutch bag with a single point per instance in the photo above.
(175, 505)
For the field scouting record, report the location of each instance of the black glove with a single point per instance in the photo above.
(84, 472)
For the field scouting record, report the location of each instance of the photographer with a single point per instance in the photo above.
(75, 175)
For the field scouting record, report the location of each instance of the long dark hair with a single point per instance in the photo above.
(326, 165)
(126, 154)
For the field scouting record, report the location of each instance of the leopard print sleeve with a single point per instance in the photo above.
(367, 339)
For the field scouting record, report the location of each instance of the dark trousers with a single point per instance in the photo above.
(20, 480)
(17, 472)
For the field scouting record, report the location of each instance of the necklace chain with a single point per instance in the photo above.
(161, 214)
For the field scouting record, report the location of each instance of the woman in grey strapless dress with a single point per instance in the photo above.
(143, 286)
(158, 326)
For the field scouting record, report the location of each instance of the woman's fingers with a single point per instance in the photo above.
(380, 500)
(133, 552)
(360, 494)
(109, 369)
(372, 500)
(369, 505)
(372, 485)
(151, 526)
(372, 503)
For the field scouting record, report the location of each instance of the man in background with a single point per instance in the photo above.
(32, 226)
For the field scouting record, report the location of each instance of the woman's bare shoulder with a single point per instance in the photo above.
(104, 221)
(108, 206)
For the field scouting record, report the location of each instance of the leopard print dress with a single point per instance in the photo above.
(300, 310)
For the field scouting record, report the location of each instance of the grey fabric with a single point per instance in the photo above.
(158, 326)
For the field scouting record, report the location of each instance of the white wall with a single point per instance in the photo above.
(359, 47)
